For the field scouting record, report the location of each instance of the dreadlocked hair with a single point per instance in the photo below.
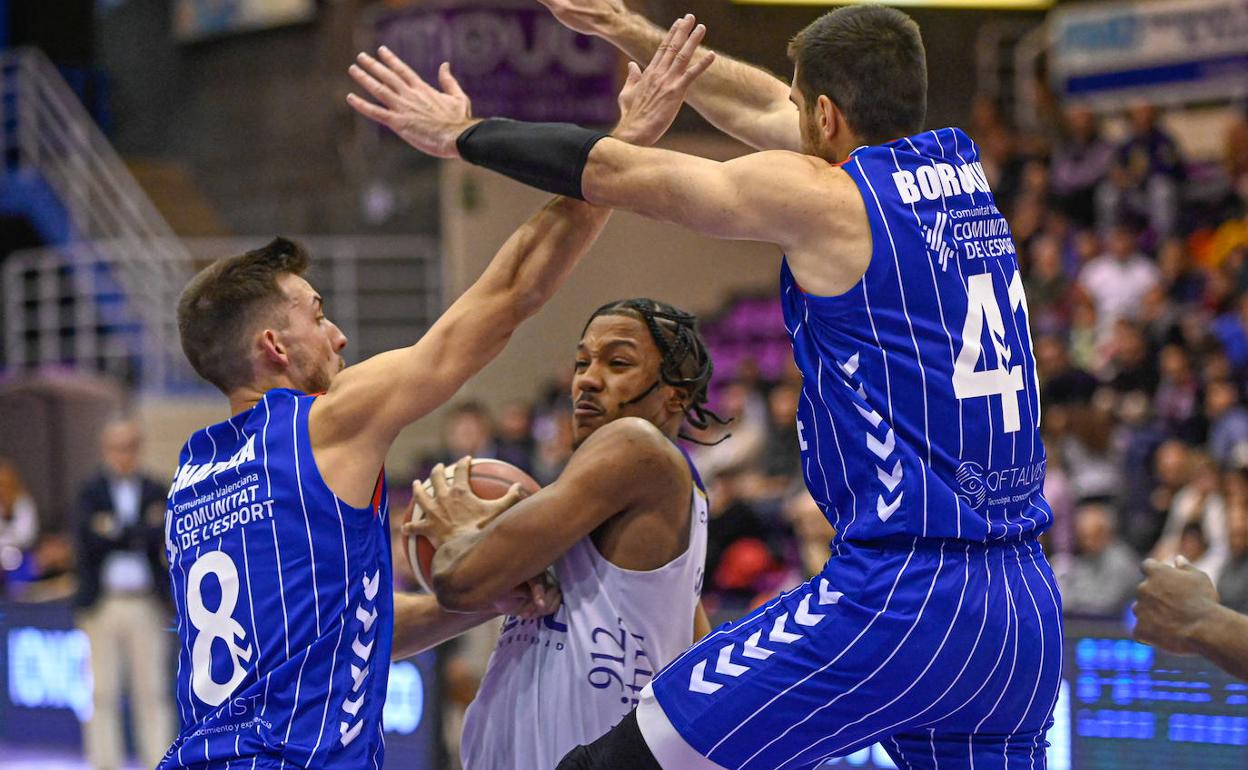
(685, 364)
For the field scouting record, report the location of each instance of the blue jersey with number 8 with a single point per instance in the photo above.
(920, 412)
(283, 597)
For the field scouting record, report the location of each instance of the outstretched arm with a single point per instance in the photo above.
(419, 623)
(740, 99)
(798, 202)
(368, 404)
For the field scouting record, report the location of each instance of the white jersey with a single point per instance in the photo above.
(556, 682)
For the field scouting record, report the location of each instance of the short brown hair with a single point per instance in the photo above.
(870, 62)
(224, 301)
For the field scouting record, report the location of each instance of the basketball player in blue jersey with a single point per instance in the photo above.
(277, 524)
(935, 628)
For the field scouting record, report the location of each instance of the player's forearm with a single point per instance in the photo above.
(740, 99)
(1222, 637)
(537, 258)
(662, 185)
(419, 623)
(468, 578)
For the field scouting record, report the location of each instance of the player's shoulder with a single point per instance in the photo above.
(640, 443)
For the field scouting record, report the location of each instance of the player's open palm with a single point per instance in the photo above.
(426, 118)
(650, 99)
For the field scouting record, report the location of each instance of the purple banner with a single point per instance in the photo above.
(513, 61)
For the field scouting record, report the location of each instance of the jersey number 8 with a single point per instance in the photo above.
(215, 625)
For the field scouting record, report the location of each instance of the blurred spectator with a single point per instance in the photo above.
(1228, 423)
(515, 435)
(742, 551)
(1046, 285)
(553, 433)
(1081, 159)
(1177, 401)
(748, 428)
(122, 590)
(1102, 574)
(1116, 281)
(467, 431)
(1129, 363)
(1183, 283)
(1143, 182)
(19, 521)
(1091, 460)
(1061, 383)
(1199, 505)
(781, 457)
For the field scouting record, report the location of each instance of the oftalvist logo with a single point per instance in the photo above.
(971, 488)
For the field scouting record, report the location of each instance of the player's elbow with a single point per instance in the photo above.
(525, 301)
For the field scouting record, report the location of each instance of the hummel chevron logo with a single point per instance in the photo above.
(882, 449)
(871, 415)
(725, 665)
(367, 618)
(697, 683)
(803, 616)
(358, 676)
(361, 649)
(370, 587)
(778, 634)
(883, 510)
(826, 596)
(751, 649)
(890, 480)
(850, 367)
(352, 707)
(351, 734)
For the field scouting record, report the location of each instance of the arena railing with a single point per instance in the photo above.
(49, 134)
(61, 312)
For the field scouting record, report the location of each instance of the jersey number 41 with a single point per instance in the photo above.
(1006, 379)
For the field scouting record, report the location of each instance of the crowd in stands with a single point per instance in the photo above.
(1135, 262)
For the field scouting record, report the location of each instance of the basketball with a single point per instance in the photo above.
(489, 479)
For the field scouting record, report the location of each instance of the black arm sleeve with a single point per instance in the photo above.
(548, 156)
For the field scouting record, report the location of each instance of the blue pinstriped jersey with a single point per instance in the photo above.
(283, 597)
(920, 413)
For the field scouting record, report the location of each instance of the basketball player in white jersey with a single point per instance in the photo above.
(624, 526)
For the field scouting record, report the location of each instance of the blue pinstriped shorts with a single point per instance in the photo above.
(947, 653)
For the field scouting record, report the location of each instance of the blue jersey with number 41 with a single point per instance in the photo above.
(284, 600)
(920, 413)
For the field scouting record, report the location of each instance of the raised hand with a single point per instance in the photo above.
(589, 17)
(426, 118)
(650, 100)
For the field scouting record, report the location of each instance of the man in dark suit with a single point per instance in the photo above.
(122, 600)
